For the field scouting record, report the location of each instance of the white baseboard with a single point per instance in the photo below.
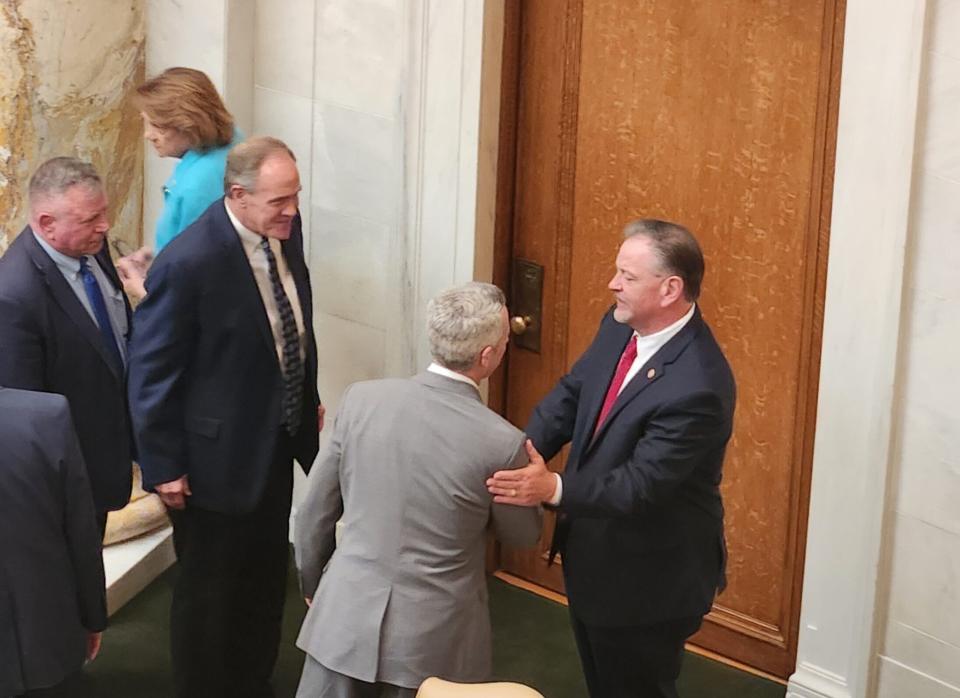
(810, 681)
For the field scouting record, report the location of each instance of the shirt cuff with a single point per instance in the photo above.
(557, 493)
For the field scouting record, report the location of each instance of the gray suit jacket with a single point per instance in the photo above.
(51, 572)
(404, 594)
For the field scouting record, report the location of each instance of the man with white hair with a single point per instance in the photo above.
(403, 596)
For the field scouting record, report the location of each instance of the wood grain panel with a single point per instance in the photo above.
(720, 116)
(543, 217)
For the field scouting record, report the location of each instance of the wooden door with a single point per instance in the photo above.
(721, 116)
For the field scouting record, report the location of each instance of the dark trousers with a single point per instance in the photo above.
(71, 687)
(228, 600)
(102, 523)
(634, 661)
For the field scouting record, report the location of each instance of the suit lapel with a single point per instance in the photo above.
(67, 299)
(653, 370)
(610, 354)
(242, 272)
(293, 254)
(105, 260)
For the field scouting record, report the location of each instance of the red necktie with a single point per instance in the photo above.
(626, 361)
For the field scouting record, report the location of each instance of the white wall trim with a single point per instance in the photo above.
(883, 46)
(441, 118)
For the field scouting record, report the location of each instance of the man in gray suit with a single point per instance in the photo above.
(404, 594)
(52, 602)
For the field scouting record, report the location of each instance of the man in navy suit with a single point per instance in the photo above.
(52, 602)
(649, 410)
(64, 320)
(223, 375)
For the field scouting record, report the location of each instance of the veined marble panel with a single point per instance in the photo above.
(289, 117)
(944, 22)
(347, 352)
(66, 72)
(925, 598)
(900, 681)
(358, 47)
(940, 147)
(355, 162)
(350, 268)
(285, 46)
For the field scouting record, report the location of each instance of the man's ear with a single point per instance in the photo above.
(45, 222)
(671, 290)
(237, 193)
(486, 356)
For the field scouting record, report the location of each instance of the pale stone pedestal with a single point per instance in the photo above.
(132, 565)
(138, 545)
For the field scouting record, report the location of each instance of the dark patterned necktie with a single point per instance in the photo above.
(291, 364)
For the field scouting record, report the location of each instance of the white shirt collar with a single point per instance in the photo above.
(434, 367)
(653, 342)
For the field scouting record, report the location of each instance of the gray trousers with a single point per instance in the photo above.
(317, 681)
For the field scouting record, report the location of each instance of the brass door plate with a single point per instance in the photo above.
(527, 298)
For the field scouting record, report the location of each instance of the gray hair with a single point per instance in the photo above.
(245, 160)
(677, 251)
(462, 321)
(57, 175)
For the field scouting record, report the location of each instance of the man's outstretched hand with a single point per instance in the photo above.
(526, 486)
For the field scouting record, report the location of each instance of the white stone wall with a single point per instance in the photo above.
(380, 101)
(919, 654)
(328, 82)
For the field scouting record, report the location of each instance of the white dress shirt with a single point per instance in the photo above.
(261, 273)
(647, 346)
(444, 371)
(112, 297)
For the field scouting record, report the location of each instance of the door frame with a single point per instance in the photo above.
(725, 625)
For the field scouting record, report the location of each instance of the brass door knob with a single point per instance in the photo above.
(520, 323)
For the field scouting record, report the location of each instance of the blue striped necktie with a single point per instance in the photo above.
(292, 365)
(94, 294)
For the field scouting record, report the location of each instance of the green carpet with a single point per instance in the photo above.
(532, 644)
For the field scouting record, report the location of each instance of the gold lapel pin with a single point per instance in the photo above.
(651, 373)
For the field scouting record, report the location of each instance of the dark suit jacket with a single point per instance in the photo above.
(49, 342)
(205, 382)
(51, 572)
(641, 519)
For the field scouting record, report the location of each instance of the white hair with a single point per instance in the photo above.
(462, 321)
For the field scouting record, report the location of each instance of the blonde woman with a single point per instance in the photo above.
(183, 117)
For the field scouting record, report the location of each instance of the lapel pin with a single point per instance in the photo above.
(651, 373)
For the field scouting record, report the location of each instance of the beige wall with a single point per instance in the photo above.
(919, 651)
(67, 68)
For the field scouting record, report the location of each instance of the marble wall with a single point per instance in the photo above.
(919, 654)
(66, 71)
(334, 95)
(380, 99)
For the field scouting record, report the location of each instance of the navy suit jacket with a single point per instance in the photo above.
(51, 572)
(640, 522)
(205, 381)
(49, 342)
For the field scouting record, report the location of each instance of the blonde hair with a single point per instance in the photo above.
(185, 100)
